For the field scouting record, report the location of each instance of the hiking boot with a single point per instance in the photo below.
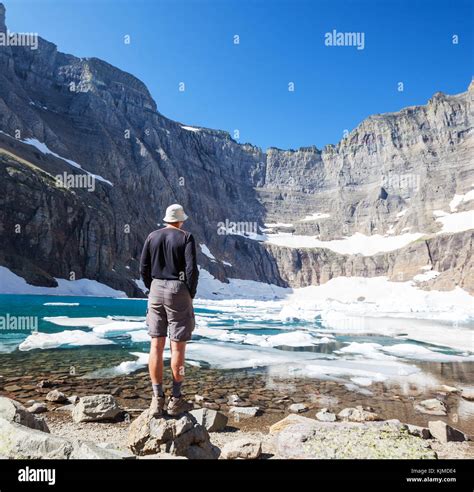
(177, 406)
(157, 406)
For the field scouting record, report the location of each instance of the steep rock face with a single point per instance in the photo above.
(104, 120)
(449, 255)
(416, 159)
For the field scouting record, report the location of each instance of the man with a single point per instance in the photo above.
(169, 270)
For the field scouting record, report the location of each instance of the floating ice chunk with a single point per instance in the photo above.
(412, 351)
(61, 304)
(67, 321)
(119, 327)
(68, 338)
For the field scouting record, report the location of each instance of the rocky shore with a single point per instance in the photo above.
(243, 415)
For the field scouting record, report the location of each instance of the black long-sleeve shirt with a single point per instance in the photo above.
(170, 254)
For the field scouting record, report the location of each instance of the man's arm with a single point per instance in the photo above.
(145, 264)
(192, 272)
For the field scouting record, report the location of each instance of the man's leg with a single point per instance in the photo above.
(177, 404)
(178, 350)
(155, 362)
(155, 368)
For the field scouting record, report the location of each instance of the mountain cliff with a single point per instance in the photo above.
(402, 179)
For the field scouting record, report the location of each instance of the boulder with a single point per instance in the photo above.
(246, 449)
(37, 408)
(44, 383)
(161, 456)
(468, 394)
(89, 450)
(432, 406)
(235, 401)
(57, 397)
(181, 437)
(418, 431)
(13, 411)
(65, 408)
(239, 413)
(357, 414)
(445, 433)
(288, 421)
(310, 439)
(211, 405)
(210, 419)
(447, 389)
(324, 415)
(20, 442)
(96, 408)
(297, 408)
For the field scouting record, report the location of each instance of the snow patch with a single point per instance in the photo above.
(44, 149)
(356, 244)
(206, 251)
(11, 283)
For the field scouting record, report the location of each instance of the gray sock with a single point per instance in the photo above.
(158, 390)
(177, 389)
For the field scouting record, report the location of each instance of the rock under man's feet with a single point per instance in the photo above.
(177, 406)
(157, 406)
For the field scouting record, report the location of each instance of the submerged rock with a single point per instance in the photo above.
(243, 412)
(57, 397)
(431, 407)
(298, 408)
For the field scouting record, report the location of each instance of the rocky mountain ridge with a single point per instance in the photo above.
(62, 114)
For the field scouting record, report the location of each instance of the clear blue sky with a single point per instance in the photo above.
(245, 86)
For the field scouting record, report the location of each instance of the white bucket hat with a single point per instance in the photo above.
(175, 213)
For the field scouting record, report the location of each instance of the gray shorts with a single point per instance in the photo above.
(170, 306)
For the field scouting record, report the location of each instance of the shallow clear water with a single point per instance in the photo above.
(228, 336)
